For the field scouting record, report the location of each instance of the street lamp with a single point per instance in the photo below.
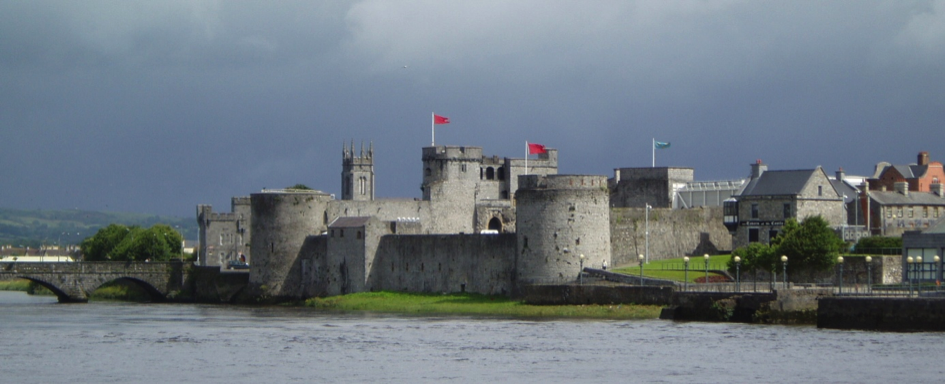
(646, 231)
(784, 270)
(706, 257)
(686, 280)
(840, 262)
(738, 266)
(918, 274)
(938, 270)
(909, 273)
(641, 268)
(581, 273)
(869, 274)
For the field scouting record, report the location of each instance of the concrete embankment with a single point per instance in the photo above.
(889, 314)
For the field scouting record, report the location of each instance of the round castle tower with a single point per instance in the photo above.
(560, 218)
(282, 219)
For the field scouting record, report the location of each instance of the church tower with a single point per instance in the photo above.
(357, 174)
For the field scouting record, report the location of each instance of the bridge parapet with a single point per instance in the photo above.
(73, 281)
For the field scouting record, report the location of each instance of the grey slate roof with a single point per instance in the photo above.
(914, 198)
(778, 182)
(911, 170)
(346, 222)
(844, 190)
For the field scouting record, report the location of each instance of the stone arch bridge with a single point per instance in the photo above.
(74, 281)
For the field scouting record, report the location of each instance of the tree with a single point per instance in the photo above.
(299, 187)
(121, 243)
(811, 246)
(755, 256)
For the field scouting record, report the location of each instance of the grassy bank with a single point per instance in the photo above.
(115, 291)
(15, 285)
(673, 269)
(475, 304)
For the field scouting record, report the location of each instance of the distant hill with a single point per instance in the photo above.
(37, 227)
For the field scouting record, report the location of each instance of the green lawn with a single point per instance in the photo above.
(475, 304)
(674, 269)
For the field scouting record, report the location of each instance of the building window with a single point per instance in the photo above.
(911, 211)
(754, 211)
(787, 210)
(462, 167)
(899, 212)
(889, 212)
(772, 234)
(820, 191)
(752, 235)
(936, 212)
(428, 171)
(925, 211)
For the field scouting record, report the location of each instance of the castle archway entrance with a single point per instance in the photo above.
(495, 224)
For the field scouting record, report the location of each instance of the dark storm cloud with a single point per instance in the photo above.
(158, 106)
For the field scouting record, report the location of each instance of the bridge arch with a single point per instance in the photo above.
(153, 293)
(60, 294)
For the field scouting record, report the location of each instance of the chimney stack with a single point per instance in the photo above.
(936, 188)
(902, 188)
(923, 158)
(840, 175)
(758, 168)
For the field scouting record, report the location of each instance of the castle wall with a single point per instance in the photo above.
(384, 210)
(500, 210)
(560, 218)
(442, 263)
(282, 220)
(656, 186)
(673, 233)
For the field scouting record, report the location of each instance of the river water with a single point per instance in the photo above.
(42, 341)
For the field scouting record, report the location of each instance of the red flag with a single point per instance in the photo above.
(437, 119)
(534, 148)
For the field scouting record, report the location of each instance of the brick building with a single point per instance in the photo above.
(920, 176)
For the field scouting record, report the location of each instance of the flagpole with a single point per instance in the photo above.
(653, 149)
(433, 129)
(526, 157)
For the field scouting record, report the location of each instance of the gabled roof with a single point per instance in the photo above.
(778, 182)
(844, 189)
(346, 222)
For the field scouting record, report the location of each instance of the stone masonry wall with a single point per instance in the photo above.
(442, 263)
(673, 233)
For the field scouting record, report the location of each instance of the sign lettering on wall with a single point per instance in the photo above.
(761, 223)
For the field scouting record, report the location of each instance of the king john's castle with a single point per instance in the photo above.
(484, 224)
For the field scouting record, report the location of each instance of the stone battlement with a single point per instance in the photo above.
(563, 182)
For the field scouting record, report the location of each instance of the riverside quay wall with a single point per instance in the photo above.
(889, 314)
(673, 233)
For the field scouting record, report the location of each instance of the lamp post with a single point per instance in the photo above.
(938, 271)
(840, 262)
(869, 274)
(909, 273)
(784, 270)
(918, 275)
(738, 265)
(706, 257)
(641, 268)
(646, 230)
(686, 279)
(581, 273)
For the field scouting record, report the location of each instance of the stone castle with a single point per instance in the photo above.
(483, 224)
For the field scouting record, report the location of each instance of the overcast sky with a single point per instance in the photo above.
(157, 106)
